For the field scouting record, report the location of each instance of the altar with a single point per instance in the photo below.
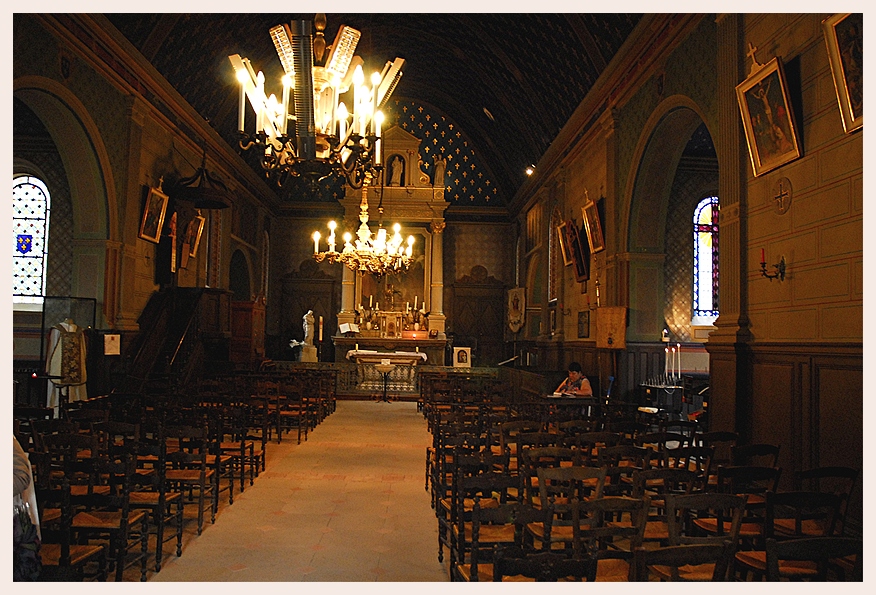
(374, 375)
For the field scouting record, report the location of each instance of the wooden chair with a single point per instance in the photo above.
(464, 459)
(62, 559)
(675, 557)
(621, 462)
(759, 454)
(820, 511)
(560, 486)
(536, 458)
(496, 527)
(814, 553)
(607, 530)
(151, 492)
(694, 458)
(656, 484)
(753, 482)
(512, 563)
(107, 517)
(832, 479)
(486, 489)
(687, 514)
(589, 444)
(187, 472)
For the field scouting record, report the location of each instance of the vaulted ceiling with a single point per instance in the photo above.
(503, 84)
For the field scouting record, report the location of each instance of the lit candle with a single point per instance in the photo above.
(316, 237)
(375, 82)
(331, 239)
(320, 329)
(261, 107)
(287, 85)
(672, 367)
(242, 75)
(370, 301)
(666, 362)
(415, 302)
(678, 345)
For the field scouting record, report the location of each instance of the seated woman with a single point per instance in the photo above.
(576, 384)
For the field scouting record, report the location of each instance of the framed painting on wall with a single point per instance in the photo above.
(593, 227)
(584, 324)
(580, 255)
(844, 35)
(767, 118)
(153, 216)
(562, 239)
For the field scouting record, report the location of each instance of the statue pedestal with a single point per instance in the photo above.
(308, 353)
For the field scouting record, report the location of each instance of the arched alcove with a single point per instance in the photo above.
(660, 150)
(238, 277)
(87, 173)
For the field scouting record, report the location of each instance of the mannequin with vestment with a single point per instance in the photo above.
(66, 360)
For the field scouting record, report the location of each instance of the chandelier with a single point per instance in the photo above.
(372, 253)
(327, 136)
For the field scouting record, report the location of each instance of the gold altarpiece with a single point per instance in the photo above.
(410, 198)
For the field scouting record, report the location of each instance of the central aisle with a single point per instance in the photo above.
(348, 504)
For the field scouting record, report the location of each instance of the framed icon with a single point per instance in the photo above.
(153, 216)
(462, 357)
(767, 118)
(844, 35)
(193, 235)
(584, 324)
(593, 227)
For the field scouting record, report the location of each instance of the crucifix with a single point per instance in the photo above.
(782, 196)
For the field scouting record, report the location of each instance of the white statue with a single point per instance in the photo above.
(308, 328)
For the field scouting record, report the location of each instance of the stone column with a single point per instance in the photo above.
(348, 296)
(729, 407)
(436, 294)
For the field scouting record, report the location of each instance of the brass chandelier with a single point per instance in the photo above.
(372, 253)
(328, 137)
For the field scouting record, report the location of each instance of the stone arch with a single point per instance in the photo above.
(657, 155)
(89, 174)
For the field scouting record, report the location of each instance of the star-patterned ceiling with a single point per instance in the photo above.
(488, 91)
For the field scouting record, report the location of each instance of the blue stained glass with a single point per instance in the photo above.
(30, 228)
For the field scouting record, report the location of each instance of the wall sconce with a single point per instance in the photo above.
(780, 268)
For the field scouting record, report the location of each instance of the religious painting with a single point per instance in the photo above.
(579, 251)
(593, 227)
(562, 240)
(767, 118)
(462, 357)
(844, 35)
(153, 216)
(516, 308)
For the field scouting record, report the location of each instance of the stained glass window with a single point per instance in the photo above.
(705, 264)
(30, 234)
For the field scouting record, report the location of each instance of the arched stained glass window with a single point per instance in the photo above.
(705, 261)
(31, 206)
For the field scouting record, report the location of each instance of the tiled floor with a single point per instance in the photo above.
(347, 505)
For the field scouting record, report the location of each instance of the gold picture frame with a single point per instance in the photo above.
(153, 216)
(593, 227)
(767, 118)
(562, 231)
(844, 36)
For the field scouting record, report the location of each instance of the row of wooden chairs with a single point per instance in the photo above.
(678, 466)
